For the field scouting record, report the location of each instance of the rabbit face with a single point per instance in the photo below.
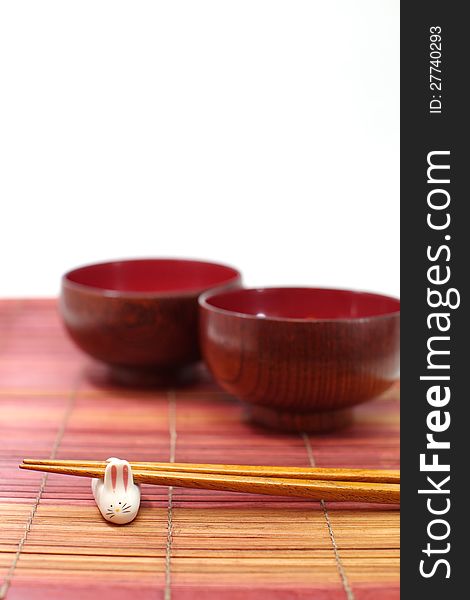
(116, 495)
(121, 512)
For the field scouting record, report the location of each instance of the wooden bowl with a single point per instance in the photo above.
(302, 357)
(140, 313)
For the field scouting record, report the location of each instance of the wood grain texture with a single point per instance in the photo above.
(300, 375)
(335, 491)
(146, 329)
(235, 546)
(372, 475)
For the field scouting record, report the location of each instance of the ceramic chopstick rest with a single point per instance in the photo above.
(116, 495)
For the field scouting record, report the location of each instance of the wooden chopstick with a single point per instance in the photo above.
(324, 474)
(338, 491)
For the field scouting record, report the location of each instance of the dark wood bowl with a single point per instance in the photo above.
(140, 314)
(302, 357)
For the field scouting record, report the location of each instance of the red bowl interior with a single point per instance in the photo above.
(303, 303)
(152, 275)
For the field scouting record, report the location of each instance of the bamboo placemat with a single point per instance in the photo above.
(184, 544)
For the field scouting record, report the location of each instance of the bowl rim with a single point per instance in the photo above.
(109, 293)
(204, 304)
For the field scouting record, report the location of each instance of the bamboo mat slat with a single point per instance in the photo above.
(185, 543)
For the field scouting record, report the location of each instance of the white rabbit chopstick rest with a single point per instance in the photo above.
(116, 495)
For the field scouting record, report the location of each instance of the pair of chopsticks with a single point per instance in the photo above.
(336, 485)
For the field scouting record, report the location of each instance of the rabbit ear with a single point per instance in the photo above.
(110, 476)
(126, 474)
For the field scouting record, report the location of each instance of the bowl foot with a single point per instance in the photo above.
(300, 422)
(138, 377)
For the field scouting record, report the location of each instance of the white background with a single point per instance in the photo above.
(258, 133)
